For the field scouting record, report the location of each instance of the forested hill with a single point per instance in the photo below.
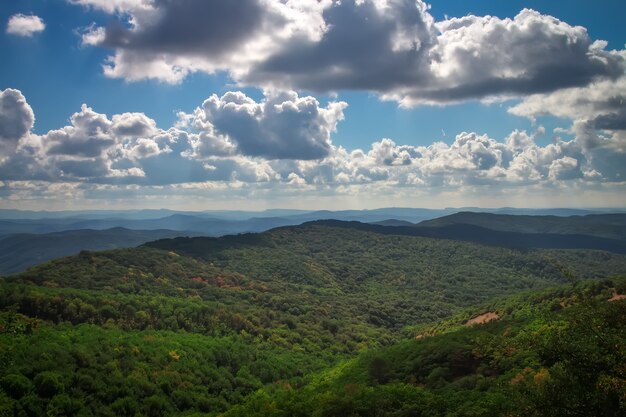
(549, 353)
(26, 240)
(197, 325)
(611, 226)
(452, 231)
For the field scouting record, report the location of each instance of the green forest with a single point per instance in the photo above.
(539, 359)
(315, 320)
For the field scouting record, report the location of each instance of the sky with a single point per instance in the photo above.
(320, 104)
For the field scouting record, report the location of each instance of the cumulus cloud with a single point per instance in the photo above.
(16, 120)
(370, 45)
(478, 57)
(564, 169)
(25, 25)
(113, 6)
(91, 148)
(198, 26)
(96, 147)
(598, 116)
(87, 136)
(603, 100)
(392, 47)
(235, 142)
(228, 138)
(598, 107)
(167, 40)
(472, 160)
(283, 126)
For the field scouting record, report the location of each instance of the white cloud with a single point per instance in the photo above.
(392, 47)
(598, 99)
(565, 168)
(114, 6)
(87, 136)
(234, 144)
(91, 148)
(478, 57)
(169, 40)
(471, 160)
(133, 125)
(25, 25)
(282, 126)
(16, 120)
(598, 116)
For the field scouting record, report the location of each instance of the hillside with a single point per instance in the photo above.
(612, 226)
(18, 252)
(485, 236)
(27, 238)
(547, 353)
(198, 324)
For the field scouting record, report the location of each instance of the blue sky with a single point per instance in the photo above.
(53, 65)
(396, 100)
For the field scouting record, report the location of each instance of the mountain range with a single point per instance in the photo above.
(24, 249)
(324, 318)
(217, 223)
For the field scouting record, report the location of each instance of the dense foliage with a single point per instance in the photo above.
(199, 325)
(107, 371)
(554, 354)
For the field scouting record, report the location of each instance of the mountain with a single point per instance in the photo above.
(393, 222)
(18, 252)
(143, 214)
(7, 214)
(213, 223)
(178, 222)
(216, 222)
(195, 325)
(562, 212)
(601, 225)
(482, 235)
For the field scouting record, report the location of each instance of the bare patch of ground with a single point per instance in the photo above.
(483, 318)
(617, 296)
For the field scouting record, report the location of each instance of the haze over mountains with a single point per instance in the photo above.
(20, 251)
(28, 238)
(602, 225)
(216, 223)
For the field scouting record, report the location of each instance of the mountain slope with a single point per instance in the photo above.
(217, 223)
(611, 226)
(18, 252)
(485, 236)
(350, 259)
(196, 325)
(556, 353)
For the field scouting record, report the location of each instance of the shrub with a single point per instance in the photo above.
(16, 385)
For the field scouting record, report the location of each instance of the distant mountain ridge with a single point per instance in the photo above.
(485, 236)
(26, 242)
(611, 225)
(217, 223)
(18, 252)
